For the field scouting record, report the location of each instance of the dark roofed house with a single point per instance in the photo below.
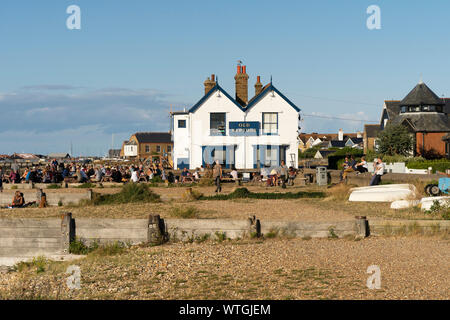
(425, 115)
(153, 137)
(145, 144)
(337, 144)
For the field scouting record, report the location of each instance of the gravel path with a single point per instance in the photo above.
(411, 268)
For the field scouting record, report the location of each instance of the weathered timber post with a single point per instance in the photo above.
(41, 199)
(156, 230)
(254, 226)
(90, 194)
(362, 226)
(67, 231)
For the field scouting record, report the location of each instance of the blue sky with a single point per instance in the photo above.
(133, 59)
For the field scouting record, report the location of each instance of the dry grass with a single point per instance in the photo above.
(335, 207)
(339, 192)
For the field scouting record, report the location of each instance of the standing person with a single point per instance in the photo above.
(379, 171)
(283, 174)
(217, 175)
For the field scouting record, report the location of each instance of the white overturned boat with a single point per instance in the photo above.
(383, 193)
(404, 204)
(427, 203)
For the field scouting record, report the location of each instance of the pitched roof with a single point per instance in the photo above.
(153, 137)
(337, 144)
(430, 122)
(130, 143)
(372, 130)
(269, 87)
(356, 140)
(210, 93)
(325, 136)
(58, 155)
(326, 153)
(447, 106)
(421, 95)
(392, 108)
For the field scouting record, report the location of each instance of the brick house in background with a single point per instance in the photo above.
(425, 115)
(446, 140)
(370, 135)
(142, 145)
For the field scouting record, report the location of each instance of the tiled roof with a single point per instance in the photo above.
(421, 95)
(372, 130)
(153, 137)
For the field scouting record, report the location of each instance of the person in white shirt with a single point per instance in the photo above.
(362, 166)
(134, 175)
(196, 175)
(234, 174)
(379, 171)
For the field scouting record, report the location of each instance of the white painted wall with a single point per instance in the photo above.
(188, 142)
(181, 138)
(130, 151)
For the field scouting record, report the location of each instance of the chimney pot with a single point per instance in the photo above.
(238, 69)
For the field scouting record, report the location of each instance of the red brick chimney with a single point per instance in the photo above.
(210, 83)
(241, 85)
(258, 86)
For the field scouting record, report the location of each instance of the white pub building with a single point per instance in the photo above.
(240, 133)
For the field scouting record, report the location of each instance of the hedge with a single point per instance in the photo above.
(437, 165)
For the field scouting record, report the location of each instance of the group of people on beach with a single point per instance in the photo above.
(351, 165)
(58, 172)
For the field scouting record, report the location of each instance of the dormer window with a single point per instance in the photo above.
(422, 108)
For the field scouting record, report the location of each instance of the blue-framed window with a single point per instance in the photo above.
(268, 156)
(225, 155)
(270, 123)
(217, 124)
(181, 123)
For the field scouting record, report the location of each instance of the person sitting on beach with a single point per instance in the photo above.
(379, 171)
(134, 175)
(116, 175)
(362, 166)
(234, 174)
(196, 174)
(18, 200)
(291, 176)
(273, 178)
(81, 176)
(351, 167)
(184, 174)
(98, 174)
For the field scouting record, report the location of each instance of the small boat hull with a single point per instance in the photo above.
(383, 193)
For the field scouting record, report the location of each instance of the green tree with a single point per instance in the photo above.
(395, 139)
